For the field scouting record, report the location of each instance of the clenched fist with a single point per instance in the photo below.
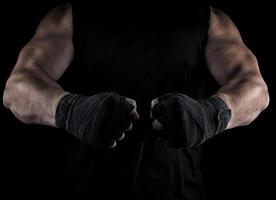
(99, 120)
(187, 122)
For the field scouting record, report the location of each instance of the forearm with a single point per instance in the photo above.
(32, 96)
(246, 96)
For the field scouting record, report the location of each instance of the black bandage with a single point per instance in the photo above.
(188, 122)
(98, 120)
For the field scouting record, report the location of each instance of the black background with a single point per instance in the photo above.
(237, 164)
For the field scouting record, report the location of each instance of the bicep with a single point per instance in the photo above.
(51, 48)
(226, 54)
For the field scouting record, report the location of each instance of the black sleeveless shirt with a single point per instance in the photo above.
(140, 52)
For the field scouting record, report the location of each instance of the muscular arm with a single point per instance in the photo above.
(236, 69)
(31, 92)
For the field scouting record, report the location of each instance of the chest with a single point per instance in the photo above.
(133, 44)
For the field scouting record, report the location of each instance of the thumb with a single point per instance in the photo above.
(133, 114)
(157, 109)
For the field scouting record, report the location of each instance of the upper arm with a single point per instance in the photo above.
(51, 47)
(226, 54)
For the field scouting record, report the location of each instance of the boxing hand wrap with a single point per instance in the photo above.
(97, 120)
(188, 122)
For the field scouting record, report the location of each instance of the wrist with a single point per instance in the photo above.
(230, 102)
(227, 100)
(64, 107)
(220, 112)
(218, 103)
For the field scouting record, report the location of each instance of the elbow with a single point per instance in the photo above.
(13, 99)
(9, 93)
(265, 97)
(262, 100)
(5, 99)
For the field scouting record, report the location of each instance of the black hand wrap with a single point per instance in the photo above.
(98, 120)
(188, 122)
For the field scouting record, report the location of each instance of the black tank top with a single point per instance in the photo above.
(140, 52)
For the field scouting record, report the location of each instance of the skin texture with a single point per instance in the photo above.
(236, 69)
(32, 93)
